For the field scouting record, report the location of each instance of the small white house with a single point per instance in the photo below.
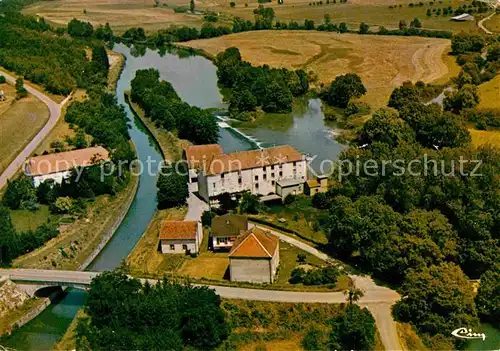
(58, 166)
(463, 17)
(181, 237)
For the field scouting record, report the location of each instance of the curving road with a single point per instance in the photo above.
(55, 113)
(377, 299)
(480, 24)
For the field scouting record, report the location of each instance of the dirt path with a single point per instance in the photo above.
(55, 113)
(480, 24)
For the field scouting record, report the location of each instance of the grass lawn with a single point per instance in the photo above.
(493, 24)
(288, 261)
(24, 220)
(299, 216)
(19, 123)
(484, 137)
(489, 93)
(258, 325)
(382, 62)
(78, 239)
(409, 339)
(14, 315)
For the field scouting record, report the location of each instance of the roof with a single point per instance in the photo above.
(252, 159)
(198, 154)
(64, 161)
(181, 230)
(284, 183)
(313, 183)
(229, 225)
(463, 17)
(254, 243)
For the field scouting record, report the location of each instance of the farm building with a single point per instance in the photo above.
(316, 185)
(254, 257)
(180, 237)
(463, 17)
(58, 166)
(287, 187)
(225, 229)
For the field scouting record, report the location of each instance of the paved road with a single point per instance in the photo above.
(55, 113)
(196, 207)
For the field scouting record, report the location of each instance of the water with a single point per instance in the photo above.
(305, 129)
(194, 78)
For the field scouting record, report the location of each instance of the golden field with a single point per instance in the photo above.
(489, 94)
(382, 62)
(121, 14)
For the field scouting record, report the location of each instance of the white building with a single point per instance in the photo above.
(58, 166)
(256, 171)
(180, 237)
(196, 156)
(225, 229)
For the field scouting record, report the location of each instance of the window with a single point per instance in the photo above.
(273, 182)
(264, 176)
(222, 176)
(272, 166)
(264, 169)
(272, 175)
(184, 247)
(172, 247)
(294, 163)
(239, 180)
(256, 178)
(214, 185)
(257, 186)
(281, 174)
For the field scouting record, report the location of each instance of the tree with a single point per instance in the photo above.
(402, 25)
(191, 5)
(125, 314)
(3, 80)
(172, 188)
(465, 97)
(20, 194)
(364, 28)
(232, 4)
(493, 53)
(464, 42)
(80, 29)
(386, 126)
(327, 19)
(343, 27)
(8, 244)
(250, 204)
(21, 91)
(321, 201)
(437, 299)
(403, 95)
(415, 23)
(353, 294)
(308, 24)
(488, 296)
(353, 330)
(344, 88)
(63, 204)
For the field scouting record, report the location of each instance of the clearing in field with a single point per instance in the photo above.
(20, 121)
(383, 62)
(121, 14)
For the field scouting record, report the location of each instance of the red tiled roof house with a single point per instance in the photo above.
(254, 257)
(180, 237)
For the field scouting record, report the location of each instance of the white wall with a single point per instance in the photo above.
(57, 177)
(165, 246)
(250, 270)
(251, 179)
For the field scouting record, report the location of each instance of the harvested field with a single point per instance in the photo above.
(485, 137)
(489, 94)
(383, 62)
(121, 14)
(20, 121)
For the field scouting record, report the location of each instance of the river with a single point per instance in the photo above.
(194, 78)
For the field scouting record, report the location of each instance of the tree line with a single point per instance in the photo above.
(161, 103)
(251, 87)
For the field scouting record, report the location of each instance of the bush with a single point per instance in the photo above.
(356, 107)
(206, 218)
(232, 4)
(320, 276)
(321, 201)
(3, 79)
(301, 257)
(289, 199)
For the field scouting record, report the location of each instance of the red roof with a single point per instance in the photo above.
(255, 243)
(196, 155)
(183, 230)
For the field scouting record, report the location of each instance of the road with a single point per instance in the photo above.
(55, 113)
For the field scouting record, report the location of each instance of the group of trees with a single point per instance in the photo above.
(429, 225)
(85, 30)
(251, 87)
(343, 89)
(122, 313)
(161, 103)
